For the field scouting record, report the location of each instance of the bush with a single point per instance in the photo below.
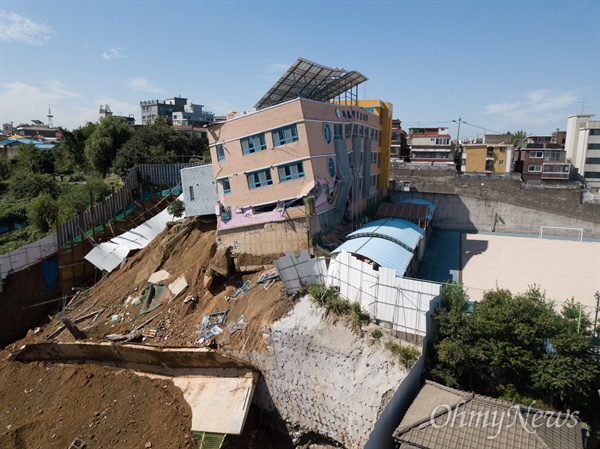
(329, 298)
(41, 212)
(408, 355)
(376, 334)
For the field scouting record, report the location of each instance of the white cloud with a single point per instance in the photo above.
(540, 108)
(143, 85)
(21, 103)
(17, 28)
(113, 53)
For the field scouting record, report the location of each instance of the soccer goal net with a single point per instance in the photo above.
(557, 232)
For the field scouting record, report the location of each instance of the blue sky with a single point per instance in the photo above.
(500, 65)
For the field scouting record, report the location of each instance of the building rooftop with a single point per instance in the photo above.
(445, 418)
(306, 79)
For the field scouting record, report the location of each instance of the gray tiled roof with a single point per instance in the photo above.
(465, 420)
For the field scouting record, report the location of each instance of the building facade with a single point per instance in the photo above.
(266, 162)
(177, 111)
(399, 149)
(430, 146)
(583, 148)
(484, 158)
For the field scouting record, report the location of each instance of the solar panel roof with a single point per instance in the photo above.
(306, 79)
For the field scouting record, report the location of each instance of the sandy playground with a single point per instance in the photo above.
(562, 268)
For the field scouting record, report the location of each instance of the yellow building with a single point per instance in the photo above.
(484, 158)
(384, 110)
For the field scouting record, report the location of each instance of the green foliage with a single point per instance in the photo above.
(28, 185)
(30, 159)
(407, 355)
(107, 138)
(176, 208)
(157, 143)
(5, 167)
(70, 154)
(76, 196)
(41, 212)
(510, 342)
(329, 298)
(376, 334)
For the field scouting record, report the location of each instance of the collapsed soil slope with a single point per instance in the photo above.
(49, 405)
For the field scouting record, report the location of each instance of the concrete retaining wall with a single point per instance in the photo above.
(489, 203)
(167, 361)
(323, 378)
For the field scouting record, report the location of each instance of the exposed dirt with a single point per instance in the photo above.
(49, 405)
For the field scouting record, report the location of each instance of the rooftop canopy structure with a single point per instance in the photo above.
(305, 79)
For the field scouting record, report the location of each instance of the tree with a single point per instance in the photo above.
(102, 145)
(511, 342)
(157, 143)
(176, 208)
(41, 212)
(70, 154)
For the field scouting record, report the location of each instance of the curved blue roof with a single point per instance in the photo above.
(402, 232)
(386, 253)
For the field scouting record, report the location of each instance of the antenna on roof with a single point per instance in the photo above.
(49, 116)
(583, 103)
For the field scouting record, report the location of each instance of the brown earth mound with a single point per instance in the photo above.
(49, 405)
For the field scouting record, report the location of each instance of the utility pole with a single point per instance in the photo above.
(597, 296)
(458, 152)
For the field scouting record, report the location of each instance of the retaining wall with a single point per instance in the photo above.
(321, 377)
(498, 204)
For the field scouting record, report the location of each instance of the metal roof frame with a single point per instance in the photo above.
(306, 79)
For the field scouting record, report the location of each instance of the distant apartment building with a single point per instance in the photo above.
(36, 130)
(485, 158)
(309, 148)
(399, 149)
(104, 111)
(583, 148)
(177, 111)
(430, 146)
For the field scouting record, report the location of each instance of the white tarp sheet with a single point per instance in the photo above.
(109, 255)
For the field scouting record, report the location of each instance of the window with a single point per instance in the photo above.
(595, 132)
(327, 133)
(556, 169)
(361, 131)
(593, 146)
(373, 180)
(534, 168)
(350, 158)
(501, 162)
(591, 174)
(536, 154)
(441, 141)
(287, 134)
(253, 144)
(225, 185)
(592, 160)
(355, 130)
(377, 135)
(338, 131)
(331, 166)
(291, 171)
(191, 193)
(259, 178)
(348, 127)
(220, 152)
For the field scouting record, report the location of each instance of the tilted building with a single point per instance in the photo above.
(306, 156)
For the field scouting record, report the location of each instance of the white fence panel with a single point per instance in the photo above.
(27, 255)
(297, 270)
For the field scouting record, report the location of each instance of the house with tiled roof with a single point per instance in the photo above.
(445, 418)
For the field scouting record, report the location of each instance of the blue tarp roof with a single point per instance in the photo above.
(389, 242)
(403, 232)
